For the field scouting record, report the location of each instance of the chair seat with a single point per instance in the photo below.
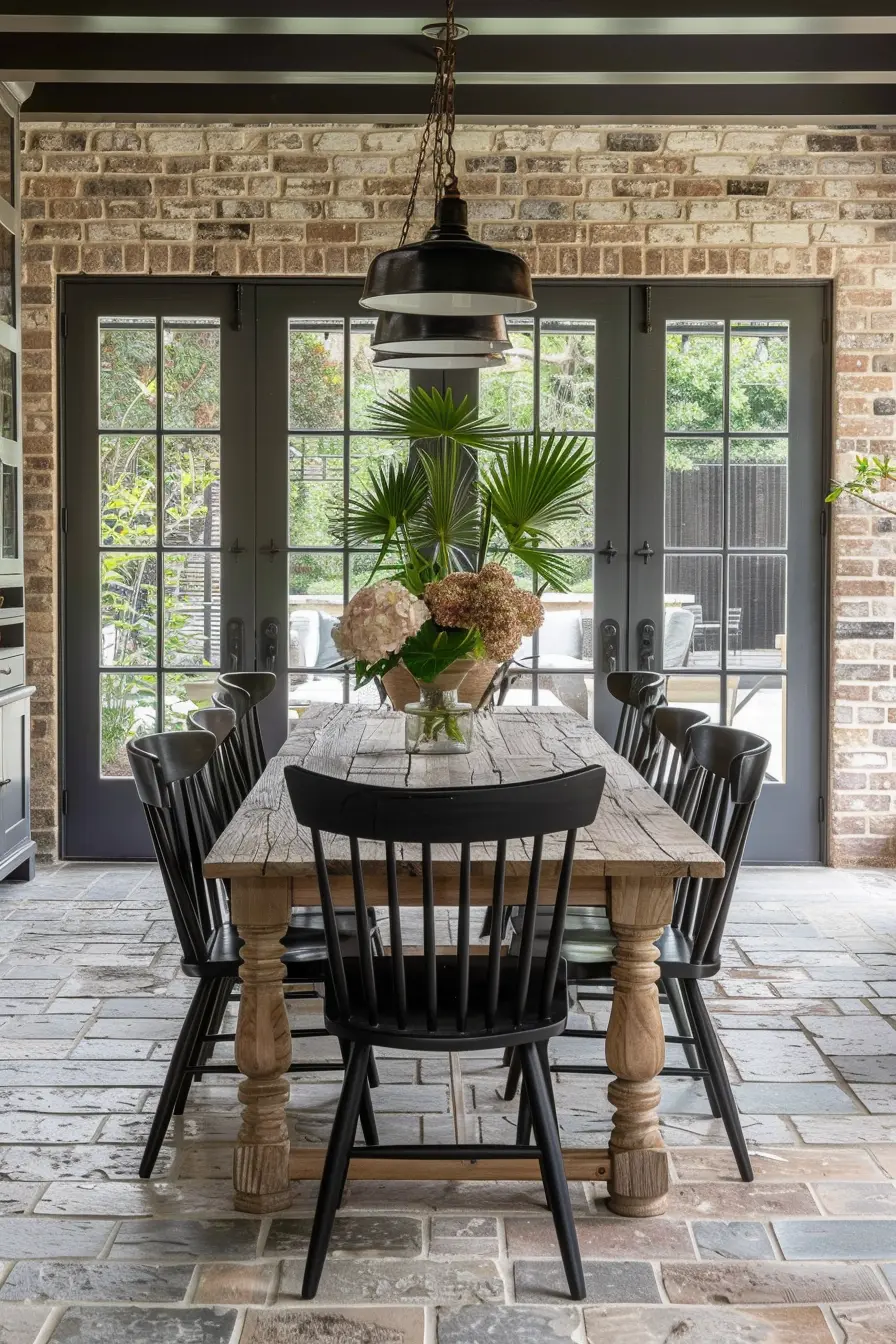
(305, 952)
(590, 952)
(416, 1035)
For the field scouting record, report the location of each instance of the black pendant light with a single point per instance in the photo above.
(404, 340)
(448, 273)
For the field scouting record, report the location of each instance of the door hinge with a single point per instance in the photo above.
(63, 799)
(63, 324)
(647, 326)
(824, 522)
(822, 810)
(63, 519)
(825, 330)
(238, 308)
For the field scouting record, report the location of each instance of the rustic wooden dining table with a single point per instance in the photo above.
(627, 860)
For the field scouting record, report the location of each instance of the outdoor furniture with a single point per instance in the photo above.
(634, 852)
(437, 1002)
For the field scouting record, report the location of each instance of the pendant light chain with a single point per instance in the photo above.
(439, 127)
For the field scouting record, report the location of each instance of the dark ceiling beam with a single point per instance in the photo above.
(397, 54)
(467, 10)
(507, 102)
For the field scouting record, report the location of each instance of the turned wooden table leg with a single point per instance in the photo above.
(641, 907)
(260, 909)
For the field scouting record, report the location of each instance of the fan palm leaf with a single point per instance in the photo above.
(447, 525)
(434, 415)
(537, 484)
(383, 509)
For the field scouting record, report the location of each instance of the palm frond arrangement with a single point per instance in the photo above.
(471, 492)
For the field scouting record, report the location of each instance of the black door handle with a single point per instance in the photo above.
(609, 645)
(646, 645)
(270, 640)
(235, 642)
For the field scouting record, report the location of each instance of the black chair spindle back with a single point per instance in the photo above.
(224, 775)
(637, 692)
(170, 771)
(718, 800)
(519, 991)
(668, 758)
(256, 686)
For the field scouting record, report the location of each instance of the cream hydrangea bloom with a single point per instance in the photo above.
(378, 620)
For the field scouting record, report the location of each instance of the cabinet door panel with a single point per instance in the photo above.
(14, 751)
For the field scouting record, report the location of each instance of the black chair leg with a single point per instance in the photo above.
(373, 1073)
(197, 1056)
(556, 1187)
(694, 1054)
(368, 1119)
(335, 1169)
(709, 1048)
(181, 1057)
(219, 1006)
(514, 1073)
(685, 1027)
(524, 1120)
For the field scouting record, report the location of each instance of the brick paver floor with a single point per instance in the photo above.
(91, 999)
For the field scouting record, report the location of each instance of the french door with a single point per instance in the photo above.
(213, 431)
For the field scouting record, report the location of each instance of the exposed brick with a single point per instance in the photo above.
(747, 186)
(831, 144)
(634, 142)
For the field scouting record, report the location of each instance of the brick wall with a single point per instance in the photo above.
(589, 201)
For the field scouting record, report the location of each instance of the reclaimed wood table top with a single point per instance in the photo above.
(635, 832)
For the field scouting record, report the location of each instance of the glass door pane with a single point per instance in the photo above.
(731, 398)
(157, 437)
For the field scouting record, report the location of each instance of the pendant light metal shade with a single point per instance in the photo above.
(449, 273)
(427, 334)
(428, 360)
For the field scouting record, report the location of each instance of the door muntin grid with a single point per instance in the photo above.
(548, 382)
(726, 498)
(160, 567)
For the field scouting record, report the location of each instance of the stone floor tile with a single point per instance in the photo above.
(57, 1027)
(605, 1281)
(18, 1196)
(889, 1273)
(736, 1198)
(390, 1235)
(768, 1056)
(28, 1161)
(856, 1199)
(732, 1283)
(99, 1281)
(786, 1164)
(22, 1126)
(183, 1239)
(852, 1036)
(72, 1100)
(454, 1196)
(34, 1238)
(439, 1282)
(793, 1099)
(707, 1325)
(884, 1155)
(720, 1240)
(463, 1235)
(759, 1130)
(866, 1068)
(234, 1284)
(21, 1324)
(508, 1325)
(145, 1325)
(867, 1325)
(880, 1098)
(603, 1238)
(335, 1325)
(837, 1238)
(138, 1199)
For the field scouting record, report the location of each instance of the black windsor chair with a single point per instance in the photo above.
(456, 1002)
(173, 783)
(243, 692)
(718, 799)
(637, 692)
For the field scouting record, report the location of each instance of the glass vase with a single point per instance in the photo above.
(438, 724)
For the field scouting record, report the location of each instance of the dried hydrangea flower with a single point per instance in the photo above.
(378, 621)
(490, 602)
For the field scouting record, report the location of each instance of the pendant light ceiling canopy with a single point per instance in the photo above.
(448, 273)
